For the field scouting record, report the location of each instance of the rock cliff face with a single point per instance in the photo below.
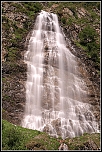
(13, 67)
(16, 29)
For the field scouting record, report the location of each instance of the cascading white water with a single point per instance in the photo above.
(54, 90)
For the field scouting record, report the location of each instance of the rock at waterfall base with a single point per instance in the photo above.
(63, 146)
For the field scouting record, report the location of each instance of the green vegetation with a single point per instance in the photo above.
(12, 54)
(7, 98)
(16, 36)
(90, 5)
(27, 7)
(78, 143)
(88, 37)
(19, 138)
(63, 20)
(3, 79)
(34, 6)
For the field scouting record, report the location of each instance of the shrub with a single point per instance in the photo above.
(89, 5)
(93, 51)
(87, 35)
(63, 20)
(13, 138)
(88, 39)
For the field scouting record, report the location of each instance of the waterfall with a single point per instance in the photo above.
(54, 89)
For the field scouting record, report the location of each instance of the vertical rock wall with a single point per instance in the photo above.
(14, 72)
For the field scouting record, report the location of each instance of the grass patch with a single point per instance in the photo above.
(19, 138)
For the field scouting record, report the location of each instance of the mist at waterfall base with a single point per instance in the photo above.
(54, 90)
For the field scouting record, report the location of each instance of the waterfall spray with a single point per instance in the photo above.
(54, 91)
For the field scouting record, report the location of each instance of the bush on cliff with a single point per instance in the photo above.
(88, 38)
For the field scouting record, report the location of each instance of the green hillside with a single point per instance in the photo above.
(18, 138)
